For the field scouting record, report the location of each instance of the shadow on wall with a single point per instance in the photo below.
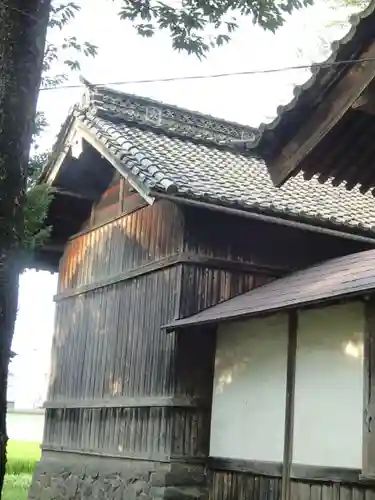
(108, 341)
(97, 329)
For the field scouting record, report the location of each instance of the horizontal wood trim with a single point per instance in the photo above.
(235, 266)
(250, 466)
(316, 473)
(125, 276)
(184, 258)
(127, 210)
(149, 457)
(126, 402)
(298, 471)
(157, 457)
(367, 478)
(132, 203)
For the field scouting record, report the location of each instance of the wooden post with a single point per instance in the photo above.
(368, 454)
(289, 404)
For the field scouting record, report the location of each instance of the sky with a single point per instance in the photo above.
(124, 56)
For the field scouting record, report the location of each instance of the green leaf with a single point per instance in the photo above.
(188, 23)
(38, 197)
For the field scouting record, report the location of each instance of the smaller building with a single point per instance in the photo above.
(293, 385)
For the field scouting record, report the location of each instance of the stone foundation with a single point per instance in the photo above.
(73, 477)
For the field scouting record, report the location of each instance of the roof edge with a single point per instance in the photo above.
(333, 280)
(323, 76)
(291, 221)
(183, 323)
(108, 103)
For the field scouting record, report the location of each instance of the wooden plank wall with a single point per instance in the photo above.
(272, 248)
(111, 382)
(125, 244)
(230, 485)
(119, 385)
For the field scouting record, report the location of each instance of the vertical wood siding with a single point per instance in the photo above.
(205, 284)
(246, 240)
(139, 432)
(311, 490)
(127, 243)
(204, 287)
(239, 486)
(228, 485)
(109, 343)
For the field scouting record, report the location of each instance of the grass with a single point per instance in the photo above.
(16, 486)
(22, 458)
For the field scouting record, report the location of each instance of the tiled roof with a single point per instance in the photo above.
(224, 177)
(166, 152)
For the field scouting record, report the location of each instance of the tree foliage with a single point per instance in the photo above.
(188, 21)
(68, 52)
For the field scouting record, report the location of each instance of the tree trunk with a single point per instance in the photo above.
(23, 25)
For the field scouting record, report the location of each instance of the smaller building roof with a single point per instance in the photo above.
(347, 276)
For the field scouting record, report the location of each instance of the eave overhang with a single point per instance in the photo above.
(305, 129)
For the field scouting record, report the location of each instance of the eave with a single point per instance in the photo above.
(347, 277)
(302, 134)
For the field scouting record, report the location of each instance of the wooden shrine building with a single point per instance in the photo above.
(156, 217)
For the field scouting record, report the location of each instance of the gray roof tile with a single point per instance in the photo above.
(221, 176)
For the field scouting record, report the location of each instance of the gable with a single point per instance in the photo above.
(102, 139)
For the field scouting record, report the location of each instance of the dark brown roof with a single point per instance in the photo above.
(337, 278)
(290, 117)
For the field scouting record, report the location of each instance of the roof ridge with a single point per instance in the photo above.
(108, 103)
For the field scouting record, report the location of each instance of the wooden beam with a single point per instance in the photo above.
(366, 101)
(256, 467)
(298, 471)
(289, 404)
(234, 265)
(65, 149)
(325, 116)
(154, 457)
(126, 455)
(172, 260)
(71, 194)
(368, 448)
(131, 178)
(127, 275)
(125, 402)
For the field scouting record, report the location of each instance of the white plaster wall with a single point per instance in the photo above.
(25, 425)
(329, 385)
(249, 390)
